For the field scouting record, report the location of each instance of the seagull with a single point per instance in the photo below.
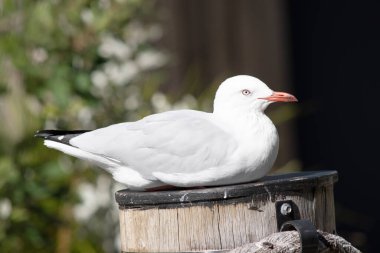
(236, 143)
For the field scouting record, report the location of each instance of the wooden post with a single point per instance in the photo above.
(222, 218)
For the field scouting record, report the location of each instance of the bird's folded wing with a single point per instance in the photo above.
(173, 142)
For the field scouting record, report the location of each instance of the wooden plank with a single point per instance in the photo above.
(225, 227)
(168, 230)
(260, 219)
(123, 235)
(142, 228)
(223, 224)
(198, 228)
(330, 210)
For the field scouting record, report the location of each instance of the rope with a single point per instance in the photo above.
(289, 242)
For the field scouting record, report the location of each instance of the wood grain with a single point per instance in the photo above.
(221, 224)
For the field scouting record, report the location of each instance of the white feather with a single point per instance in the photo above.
(236, 143)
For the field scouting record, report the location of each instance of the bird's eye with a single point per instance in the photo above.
(246, 92)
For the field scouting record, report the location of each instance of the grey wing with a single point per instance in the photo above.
(172, 142)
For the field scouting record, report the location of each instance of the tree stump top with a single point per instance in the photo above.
(275, 184)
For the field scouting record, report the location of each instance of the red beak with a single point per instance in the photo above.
(281, 97)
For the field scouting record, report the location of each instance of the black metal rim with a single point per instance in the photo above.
(269, 184)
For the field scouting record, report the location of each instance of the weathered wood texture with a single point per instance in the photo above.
(221, 218)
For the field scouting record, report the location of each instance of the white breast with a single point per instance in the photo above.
(257, 150)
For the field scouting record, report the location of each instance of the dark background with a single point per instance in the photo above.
(336, 53)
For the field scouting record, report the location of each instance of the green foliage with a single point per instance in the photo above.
(74, 64)
(69, 65)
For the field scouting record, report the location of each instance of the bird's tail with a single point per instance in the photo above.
(61, 136)
(60, 140)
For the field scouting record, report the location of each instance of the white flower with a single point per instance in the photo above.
(93, 197)
(131, 103)
(121, 75)
(187, 102)
(160, 103)
(39, 55)
(112, 47)
(87, 16)
(99, 79)
(85, 116)
(5, 208)
(150, 59)
(128, 71)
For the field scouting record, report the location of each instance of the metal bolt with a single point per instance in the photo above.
(286, 209)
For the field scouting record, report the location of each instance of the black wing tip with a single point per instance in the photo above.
(45, 134)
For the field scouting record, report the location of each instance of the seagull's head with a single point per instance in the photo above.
(247, 93)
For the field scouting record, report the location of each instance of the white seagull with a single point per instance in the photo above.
(235, 143)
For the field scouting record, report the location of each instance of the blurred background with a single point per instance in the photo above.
(81, 64)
